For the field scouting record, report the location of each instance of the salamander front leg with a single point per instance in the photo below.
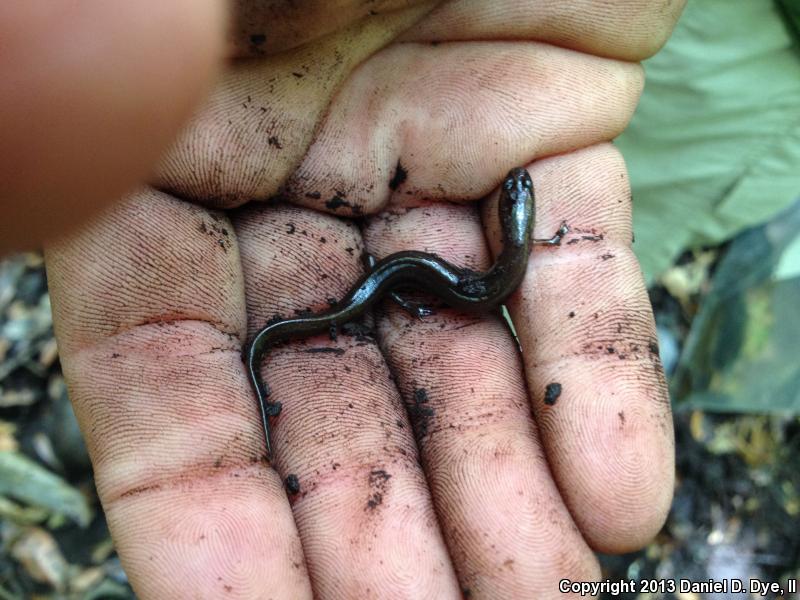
(557, 237)
(415, 309)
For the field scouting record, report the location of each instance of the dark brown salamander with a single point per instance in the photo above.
(458, 287)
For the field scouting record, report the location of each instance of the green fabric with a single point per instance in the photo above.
(714, 146)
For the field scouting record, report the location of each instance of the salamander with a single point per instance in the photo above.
(457, 286)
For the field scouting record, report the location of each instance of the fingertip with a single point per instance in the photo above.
(627, 29)
(617, 471)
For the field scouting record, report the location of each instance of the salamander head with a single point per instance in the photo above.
(518, 184)
(516, 207)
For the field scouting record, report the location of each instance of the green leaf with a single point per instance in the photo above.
(107, 590)
(741, 352)
(22, 515)
(789, 263)
(714, 146)
(791, 11)
(27, 481)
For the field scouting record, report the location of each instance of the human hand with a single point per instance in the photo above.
(485, 481)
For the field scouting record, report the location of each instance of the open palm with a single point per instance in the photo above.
(433, 460)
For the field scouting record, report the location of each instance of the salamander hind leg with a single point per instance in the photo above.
(415, 309)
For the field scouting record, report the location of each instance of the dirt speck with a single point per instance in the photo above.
(400, 175)
(325, 350)
(552, 393)
(292, 484)
(257, 41)
(378, 484)
(419, 413)
(336, 202)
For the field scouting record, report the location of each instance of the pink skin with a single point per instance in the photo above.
(475, 484)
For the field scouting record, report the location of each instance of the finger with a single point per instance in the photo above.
(586, 326)
(261, 28)
(91, 95)
(417, 121)
(149, 311)
(260, 118)
(627, 30)
(507, 529)
(424, 122)
(363, 511)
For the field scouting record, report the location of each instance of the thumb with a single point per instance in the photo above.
(91, 94)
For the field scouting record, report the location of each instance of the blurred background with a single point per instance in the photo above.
(714, 159)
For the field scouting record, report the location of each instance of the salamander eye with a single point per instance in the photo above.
(508, 184)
